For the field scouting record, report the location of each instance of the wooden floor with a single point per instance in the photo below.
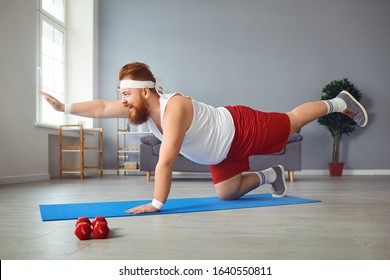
(351, 222)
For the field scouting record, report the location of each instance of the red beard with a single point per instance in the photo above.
(140, 112)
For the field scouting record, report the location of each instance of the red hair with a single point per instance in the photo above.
(136, 71)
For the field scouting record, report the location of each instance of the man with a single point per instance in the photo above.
(223, 138)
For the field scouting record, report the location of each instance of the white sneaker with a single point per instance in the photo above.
(279, 186)
(354, 110)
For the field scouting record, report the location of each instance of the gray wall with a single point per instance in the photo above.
(268, 54)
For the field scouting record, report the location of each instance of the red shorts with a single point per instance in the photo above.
(256, 132)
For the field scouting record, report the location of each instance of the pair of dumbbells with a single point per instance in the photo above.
(98, 227)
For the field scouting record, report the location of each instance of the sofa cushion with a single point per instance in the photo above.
(156, 149)
(295, 138)
(150, 140)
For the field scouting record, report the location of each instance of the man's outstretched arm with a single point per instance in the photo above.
(90, 109)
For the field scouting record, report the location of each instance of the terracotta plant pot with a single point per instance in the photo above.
(336, 168)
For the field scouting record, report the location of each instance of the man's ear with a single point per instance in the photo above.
(146, 92)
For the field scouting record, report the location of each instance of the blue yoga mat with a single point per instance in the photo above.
(52, 212)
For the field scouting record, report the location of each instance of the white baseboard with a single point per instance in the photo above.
(306, 172)
(345, 172)
(109, 172)
(128, 172)
(24, 178)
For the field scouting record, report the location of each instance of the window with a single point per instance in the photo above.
(51, 58)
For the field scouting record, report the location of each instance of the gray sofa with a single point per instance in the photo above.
(289, 157)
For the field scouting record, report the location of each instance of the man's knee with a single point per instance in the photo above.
(226, 196)
(295, 123)
(229, 189)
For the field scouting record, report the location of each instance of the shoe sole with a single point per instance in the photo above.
(360, 106)
(284, 183)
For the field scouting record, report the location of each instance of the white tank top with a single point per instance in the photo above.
(210, 135)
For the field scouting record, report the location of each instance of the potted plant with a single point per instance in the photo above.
(338, 124)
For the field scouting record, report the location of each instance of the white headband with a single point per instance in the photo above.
(141, 84)
(136, 84)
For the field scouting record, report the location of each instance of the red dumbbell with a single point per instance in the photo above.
(100, 228)
(83, 220)
(83, 230)
(100, 219)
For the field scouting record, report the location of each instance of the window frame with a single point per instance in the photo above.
(44, 16)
